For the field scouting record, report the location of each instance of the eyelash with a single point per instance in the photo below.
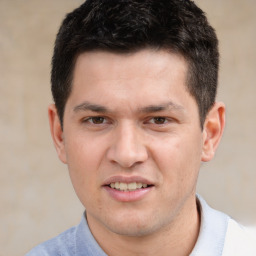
(163, 120)
(93, 118)
(101, 120)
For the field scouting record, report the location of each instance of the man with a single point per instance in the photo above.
(134, 85)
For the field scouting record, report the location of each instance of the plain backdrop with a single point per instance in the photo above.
(36, 196)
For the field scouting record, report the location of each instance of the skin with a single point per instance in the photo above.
(131, 116)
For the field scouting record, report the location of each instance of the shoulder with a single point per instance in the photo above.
(221, 235)
(63, 244)
(239, 240)
(76, 241)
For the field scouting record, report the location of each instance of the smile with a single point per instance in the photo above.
(128, 186)
(128, 189)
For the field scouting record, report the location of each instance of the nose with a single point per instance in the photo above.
(127, 148)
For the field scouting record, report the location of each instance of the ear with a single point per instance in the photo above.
(213, 130)
(57, 133)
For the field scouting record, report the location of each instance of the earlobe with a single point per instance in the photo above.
(213, 130)
(57, 132)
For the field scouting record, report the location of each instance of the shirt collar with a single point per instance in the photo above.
(210, 241)
(85, 242)
(212, 232)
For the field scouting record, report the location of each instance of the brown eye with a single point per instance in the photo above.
(97, 120)
(159, 120)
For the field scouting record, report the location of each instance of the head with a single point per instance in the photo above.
(128, 26)
(132, 81)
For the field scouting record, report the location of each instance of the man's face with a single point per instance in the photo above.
(132, 140)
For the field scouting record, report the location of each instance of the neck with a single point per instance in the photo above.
(177, 239)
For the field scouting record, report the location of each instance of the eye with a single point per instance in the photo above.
(96, 120)
(158, 120)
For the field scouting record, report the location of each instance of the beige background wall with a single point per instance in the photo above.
(37, 199)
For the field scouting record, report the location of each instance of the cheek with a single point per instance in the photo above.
(167, 151)
(178, 158)
(83, 153)
(83, 159)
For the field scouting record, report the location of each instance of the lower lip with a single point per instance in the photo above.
(128, 196)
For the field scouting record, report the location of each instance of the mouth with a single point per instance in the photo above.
(127, 187)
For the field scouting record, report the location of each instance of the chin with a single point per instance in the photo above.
(132, 230)
(134, 226)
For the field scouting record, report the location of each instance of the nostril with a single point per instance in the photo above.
(127, 149)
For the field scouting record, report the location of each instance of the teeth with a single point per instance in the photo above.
(132, 186)
(139, 185)
(127, 186)
(117, 185)
(123, 186)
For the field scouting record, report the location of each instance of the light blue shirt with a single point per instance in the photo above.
(79, 241)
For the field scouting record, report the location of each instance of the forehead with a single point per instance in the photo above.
(149, 62)
(144, 78)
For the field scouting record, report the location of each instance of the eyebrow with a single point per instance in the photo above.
(162, 107)
(85, 106)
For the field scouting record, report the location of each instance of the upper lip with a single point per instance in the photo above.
(127, 179)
